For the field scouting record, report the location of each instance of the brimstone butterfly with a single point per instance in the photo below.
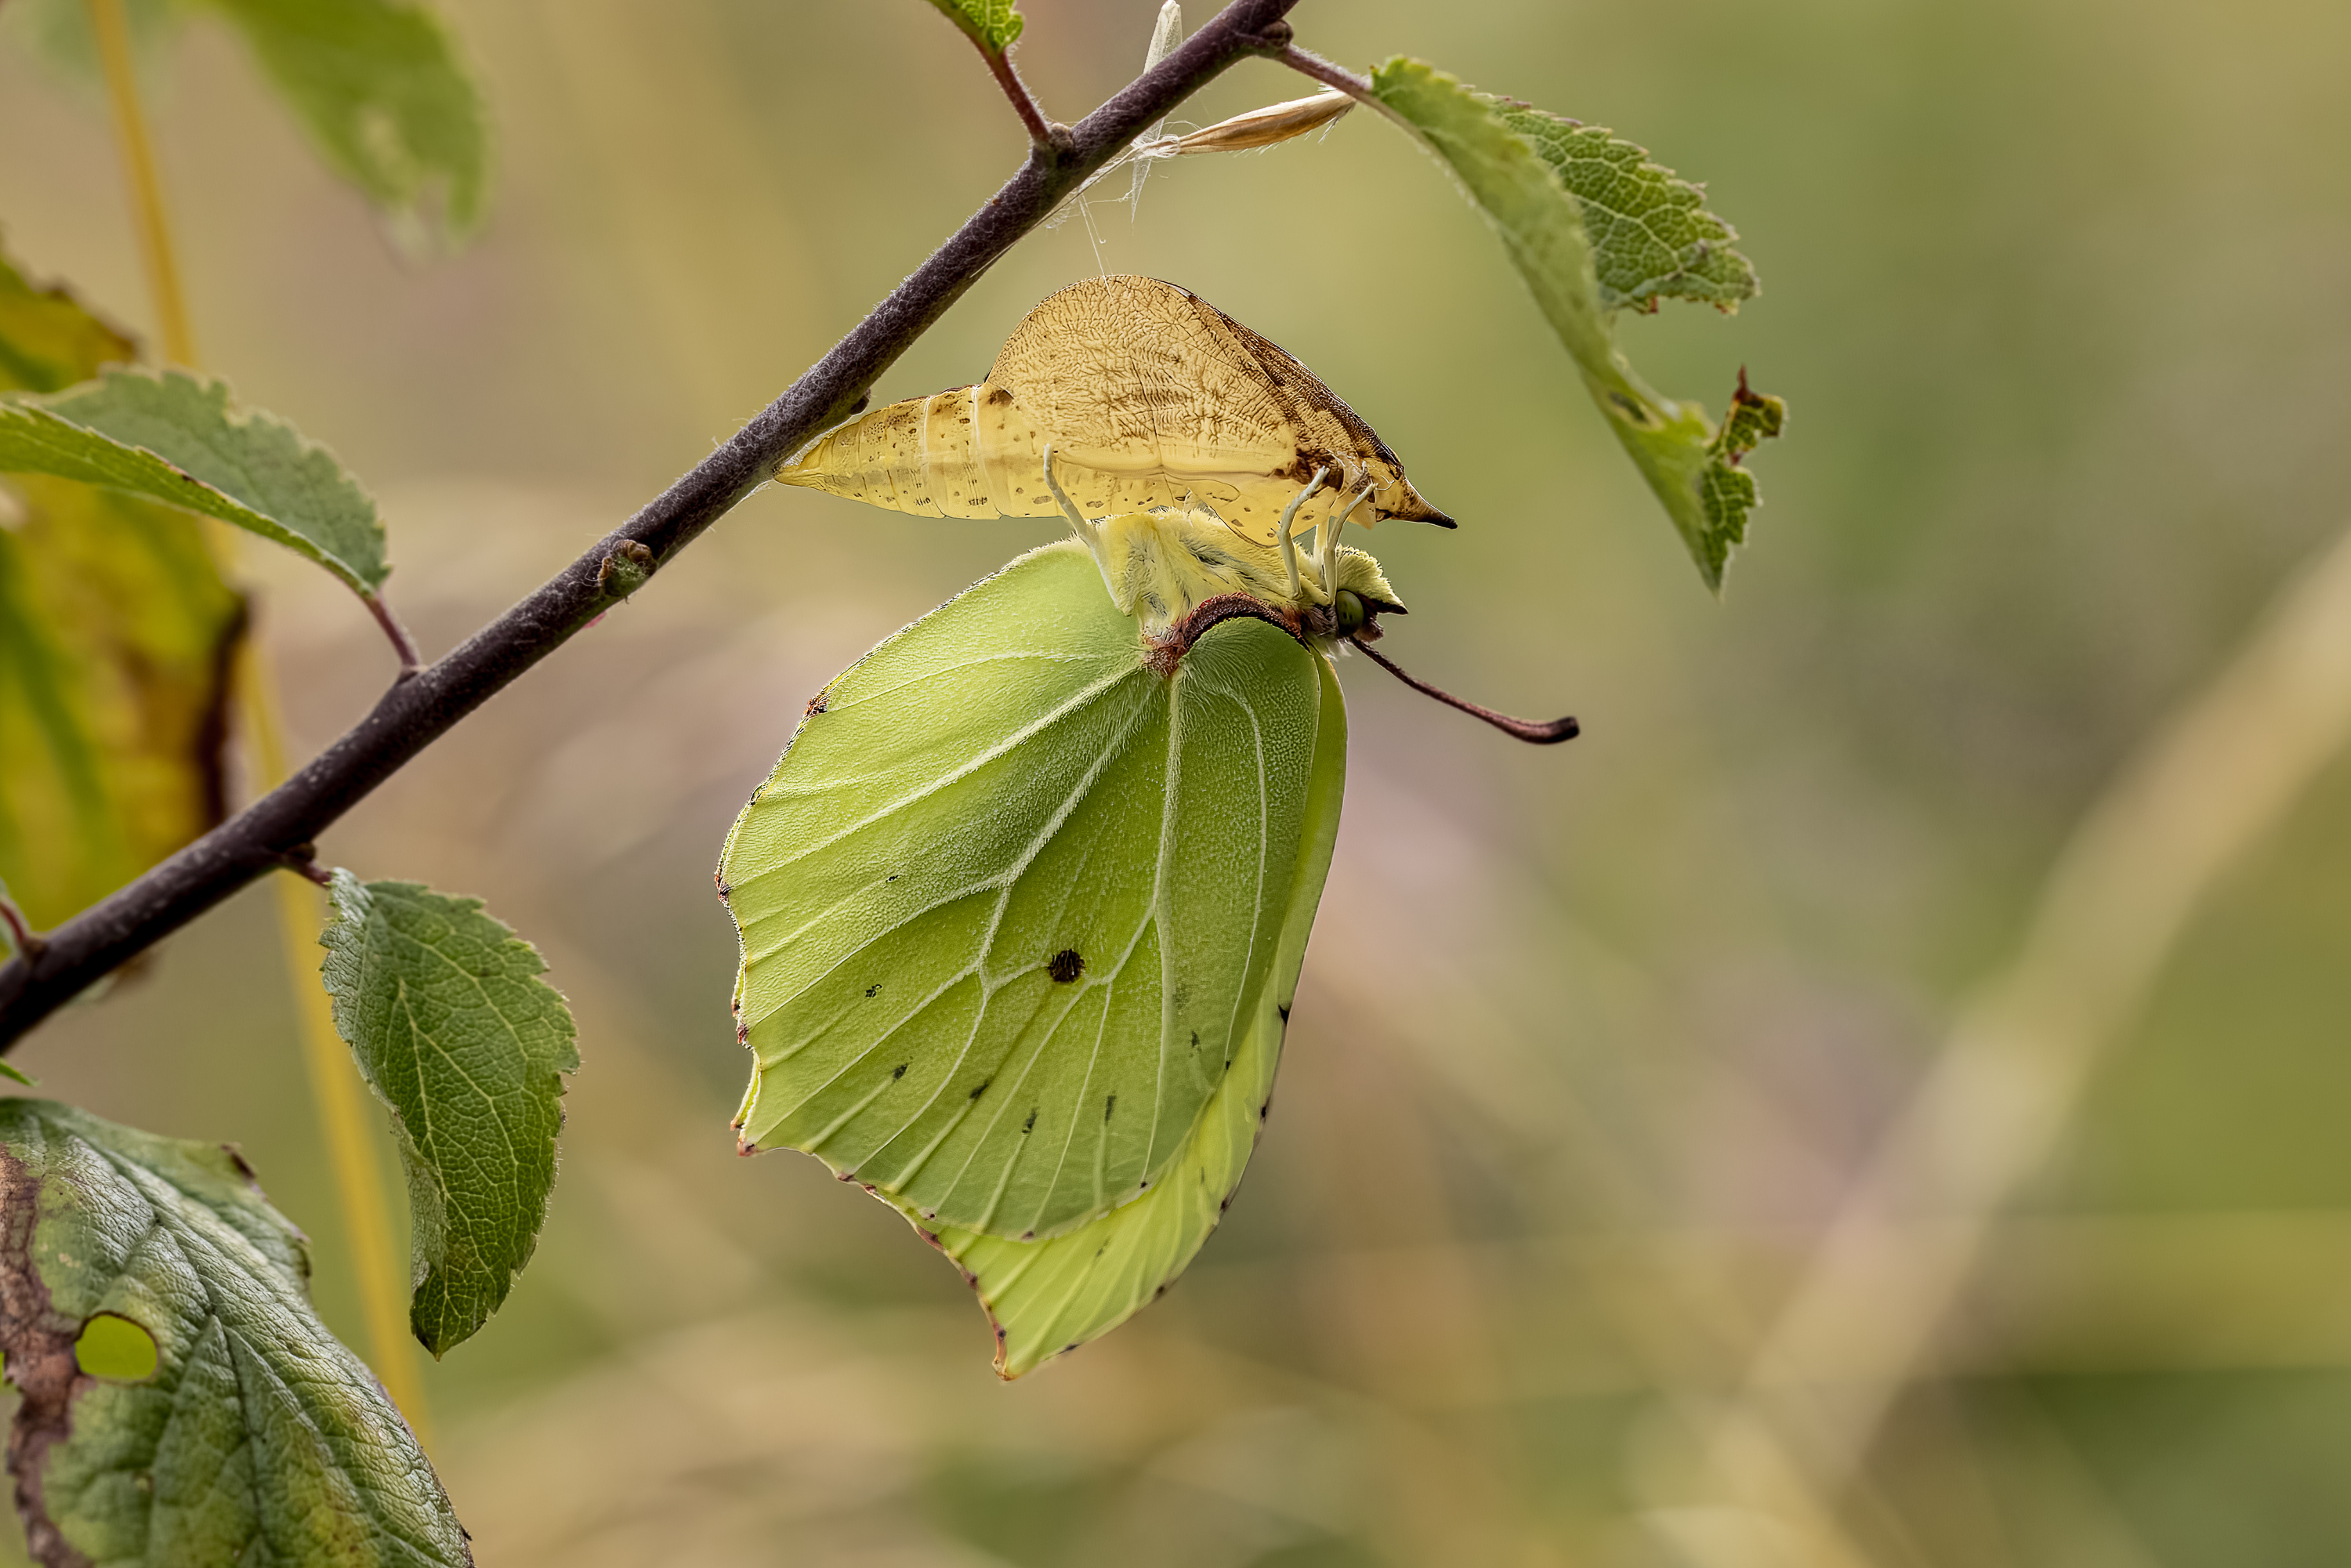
(1023, 905)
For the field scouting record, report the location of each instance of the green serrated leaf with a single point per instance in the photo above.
(116, 637)
(993, 25)
(1704, 493)
(178, 438)
(255, 1438)
(49, 339)
(455, 1032)
(380, 88)
(1652, 236)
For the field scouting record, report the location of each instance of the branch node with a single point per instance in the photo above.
(302, 860)
(625, 570)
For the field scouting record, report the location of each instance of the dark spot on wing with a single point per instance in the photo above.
(1066, 966)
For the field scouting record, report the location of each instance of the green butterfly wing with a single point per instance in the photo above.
(1015, 906)
(1050, 1296)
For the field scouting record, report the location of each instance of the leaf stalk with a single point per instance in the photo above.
(1024, 102)
(410, 661)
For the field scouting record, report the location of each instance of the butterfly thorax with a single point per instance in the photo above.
(1162, 565)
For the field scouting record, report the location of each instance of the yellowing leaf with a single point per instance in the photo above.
(115, 634)
(183, 1404)
(1693, 473)
(48, 340)
(993, 25)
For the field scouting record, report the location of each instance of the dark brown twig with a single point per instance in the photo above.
(1307, 63)
(417, 711)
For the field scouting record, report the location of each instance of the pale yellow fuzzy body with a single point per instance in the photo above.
(1160, 566)
(1151, 398)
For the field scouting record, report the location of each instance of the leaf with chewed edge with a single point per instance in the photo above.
(453, 1030)
(1696, 475)
(183, 1404)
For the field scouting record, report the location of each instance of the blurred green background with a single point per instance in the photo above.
(1592, 1040)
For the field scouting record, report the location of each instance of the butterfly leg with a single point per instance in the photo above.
(1326, 537)
(1281, 532)
(1087, 534)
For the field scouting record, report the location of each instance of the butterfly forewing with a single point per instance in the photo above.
(1011, 898)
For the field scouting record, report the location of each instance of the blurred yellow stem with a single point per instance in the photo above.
(108, 20)
(2205, 788)
(334, 1089)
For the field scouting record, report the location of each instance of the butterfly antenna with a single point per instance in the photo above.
(1281, 532)
(1527, 730)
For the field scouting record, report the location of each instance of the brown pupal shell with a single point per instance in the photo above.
(1150, 397)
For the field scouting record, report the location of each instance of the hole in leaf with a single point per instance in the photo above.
(114, 1347)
